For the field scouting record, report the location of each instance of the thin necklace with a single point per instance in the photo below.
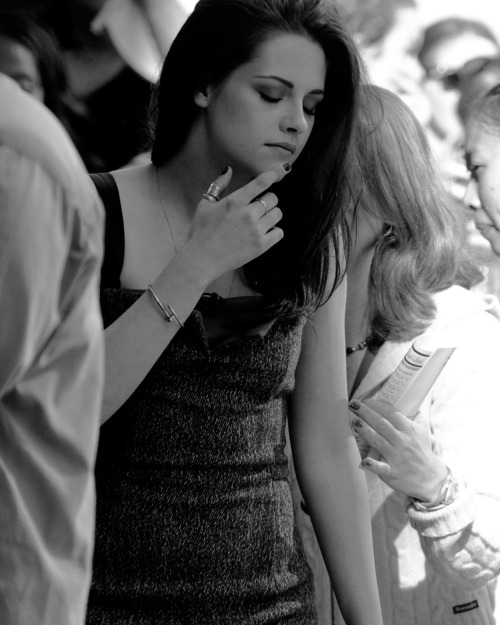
(359, 346)
(164, 209)
(170, 227)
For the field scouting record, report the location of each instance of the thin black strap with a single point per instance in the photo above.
(114, 232)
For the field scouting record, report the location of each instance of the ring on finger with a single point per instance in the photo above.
(214, 193)
(263, 202)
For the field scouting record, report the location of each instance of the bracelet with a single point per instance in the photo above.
(447, 495)
(167, 311)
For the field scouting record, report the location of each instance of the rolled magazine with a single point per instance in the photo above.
(406, 388)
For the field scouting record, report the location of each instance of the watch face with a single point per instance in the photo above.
(451, 490)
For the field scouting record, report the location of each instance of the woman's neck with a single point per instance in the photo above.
(190, 172)
(357, 324)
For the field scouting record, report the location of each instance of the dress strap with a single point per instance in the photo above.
(114, 233)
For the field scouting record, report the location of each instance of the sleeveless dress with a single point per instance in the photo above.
(195, 521)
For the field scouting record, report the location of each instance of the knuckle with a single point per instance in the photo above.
(229, 203)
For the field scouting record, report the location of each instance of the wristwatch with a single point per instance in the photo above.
(447, 495)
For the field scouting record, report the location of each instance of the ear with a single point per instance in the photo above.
(201, 98)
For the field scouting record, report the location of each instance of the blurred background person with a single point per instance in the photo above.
(476, 79)
(51, 366)
(30, 55)
(447, 46)
(113, 51)
(389, 34)
(482, 153)
(454, 50)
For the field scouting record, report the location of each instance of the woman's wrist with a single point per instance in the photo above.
(430, 488)
(447, 494)
(188, 269)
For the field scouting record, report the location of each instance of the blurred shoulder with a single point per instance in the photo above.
(33, 140)
(30, 129)
(468, 316)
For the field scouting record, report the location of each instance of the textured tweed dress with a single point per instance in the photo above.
(195, 521)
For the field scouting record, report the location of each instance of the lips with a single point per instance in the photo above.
(290, 147)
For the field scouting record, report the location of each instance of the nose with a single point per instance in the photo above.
(294, 120)
(471, 197)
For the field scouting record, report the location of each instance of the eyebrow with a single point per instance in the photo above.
(290, 85)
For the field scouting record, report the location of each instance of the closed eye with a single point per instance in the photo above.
(268, 98)
(310, 111)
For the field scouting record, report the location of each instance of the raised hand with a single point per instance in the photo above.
(226, 234)
(408, 463)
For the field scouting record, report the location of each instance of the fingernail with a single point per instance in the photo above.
(354, 404)
(287, 167)
(357, 423)
(224, 171)
(366, 462)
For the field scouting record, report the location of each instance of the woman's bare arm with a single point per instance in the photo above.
(327, 464)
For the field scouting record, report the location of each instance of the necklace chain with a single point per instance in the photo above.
(170, 227)
(360, 346)
(164, 209)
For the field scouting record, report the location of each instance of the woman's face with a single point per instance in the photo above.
(443, 60)
(262, 114)
(17, 62)
(482, 154)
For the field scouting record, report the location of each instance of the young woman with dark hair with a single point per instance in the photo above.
(215, 335)
(434, 501)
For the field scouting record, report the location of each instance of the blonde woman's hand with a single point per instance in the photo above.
(407, 461)
(227, 234)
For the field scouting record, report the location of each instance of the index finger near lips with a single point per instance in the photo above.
(258, 185)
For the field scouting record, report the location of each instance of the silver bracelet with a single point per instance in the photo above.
(166, 310)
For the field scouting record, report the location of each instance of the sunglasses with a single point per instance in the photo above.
(453, 79)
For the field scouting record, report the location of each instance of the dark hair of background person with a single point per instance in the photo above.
(117, 110)
(293, 274)
(476, 84)
(371, 20)
(58, 97)
(451, 28)
(423, 249)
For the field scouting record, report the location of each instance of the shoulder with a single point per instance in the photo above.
(136, 187)
(30, 129)
(465, 315)
(465, 320)
(32, 136)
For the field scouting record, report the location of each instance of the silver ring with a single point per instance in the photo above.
(263, 202)
(214, 193)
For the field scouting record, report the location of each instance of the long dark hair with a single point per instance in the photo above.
(423, 249)
(219, 36)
